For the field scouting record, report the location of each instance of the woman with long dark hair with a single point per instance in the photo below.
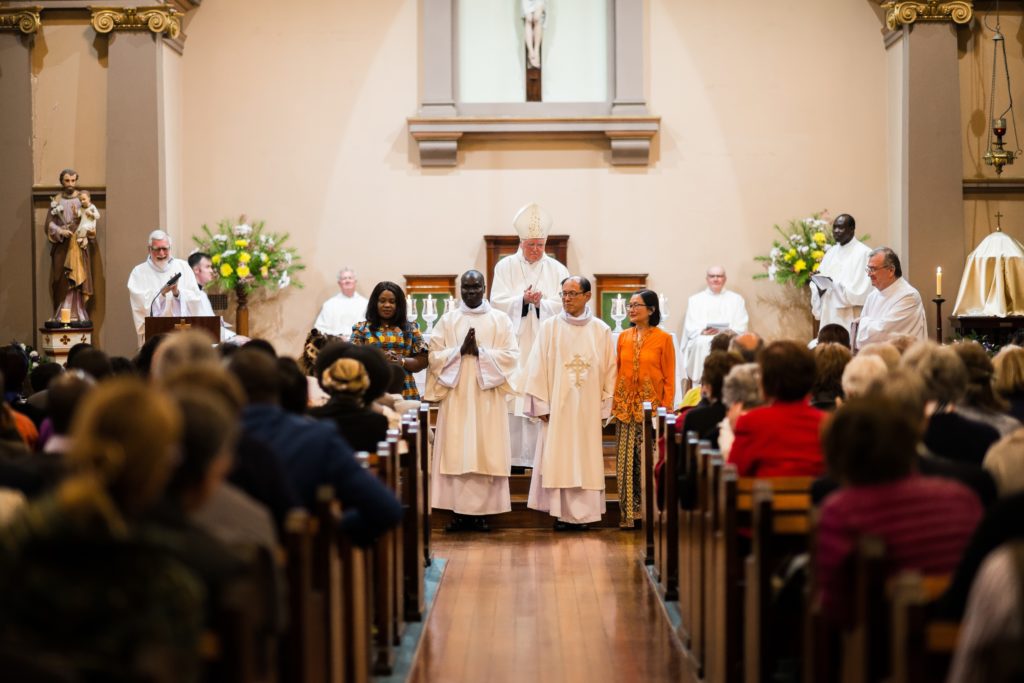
(387, 328)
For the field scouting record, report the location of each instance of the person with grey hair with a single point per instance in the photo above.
(894, 307)
(161, 285)
(860, 373)
(344, 309)
(949, 434)
(741, 393)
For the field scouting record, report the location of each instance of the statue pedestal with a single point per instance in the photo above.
(56, 342)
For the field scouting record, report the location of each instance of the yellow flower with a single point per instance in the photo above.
(264, 271)
(791, 253)
(816, 267)
(226, 270)
(216, 259)
(799, 265)
(817, 254)
(244, 257)
(819, 237)
(242, 243)
(264, 258)
(243, 271)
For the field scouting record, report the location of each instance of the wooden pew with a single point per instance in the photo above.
(327, 581)
(397, 536)
(424, 455)
(382, 572)
(698, 599)
(922, 648)
(305, 640)
(686, 515)
(658, 418)
(648, 485)
(669, 568)
(712, 527)
(727, 589)
(412, 480)
(780, 527)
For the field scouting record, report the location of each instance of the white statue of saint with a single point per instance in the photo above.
(534, 16)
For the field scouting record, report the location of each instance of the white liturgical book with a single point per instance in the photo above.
(823, 282)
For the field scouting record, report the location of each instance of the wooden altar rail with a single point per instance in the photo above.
(349, 606)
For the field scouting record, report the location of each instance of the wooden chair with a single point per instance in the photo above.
(305, 640)
(712, 523)
(412, 478)
(648, 484)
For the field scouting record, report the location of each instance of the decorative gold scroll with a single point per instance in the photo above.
(905, 12)
(25, 20)
(155, 19)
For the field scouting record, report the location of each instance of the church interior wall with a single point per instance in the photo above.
(763, 120)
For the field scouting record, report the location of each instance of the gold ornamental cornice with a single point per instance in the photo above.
(25, 20)
(160, 20)
(905, 12)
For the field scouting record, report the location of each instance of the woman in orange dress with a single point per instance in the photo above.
(646, 372)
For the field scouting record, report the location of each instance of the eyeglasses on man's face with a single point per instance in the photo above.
(874, 269)
(570, 295)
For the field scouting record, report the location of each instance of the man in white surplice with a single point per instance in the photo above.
(473, 352)
(202, 267)
(344, 309)
(526, 286)
(894, 307)
(569, 383)
(845, 264)
(148, 289)
(709, 312)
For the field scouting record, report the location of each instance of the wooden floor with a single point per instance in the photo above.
(534, 605)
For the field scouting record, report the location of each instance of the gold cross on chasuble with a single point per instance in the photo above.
(577, 366)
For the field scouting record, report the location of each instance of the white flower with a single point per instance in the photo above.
(243, 230)
(804, 250)
(220, 238)
(775, 253)
(772, 270)
(284, 281)
(796, 239)
(229, 252)
(287, 257)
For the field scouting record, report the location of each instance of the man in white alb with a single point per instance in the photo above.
(344, 309)
(525, 287)
(893, 308)
(473, 353)
(149, 285)
(709, 312)
(840, 300)
(569, 383)
(202, 268)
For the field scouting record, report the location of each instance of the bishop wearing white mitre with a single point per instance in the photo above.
(525, 287)
(473, 352)
(845, 264)
(569, 383)
(713, 310)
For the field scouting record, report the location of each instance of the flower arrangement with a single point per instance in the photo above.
(247, 259)
(794, 258)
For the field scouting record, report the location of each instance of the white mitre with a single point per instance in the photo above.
(532, 222)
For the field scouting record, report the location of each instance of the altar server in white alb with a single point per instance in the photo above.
(149, 289)
(845, 264)
(709, 312)
(344, 309)
(473, 353)
(202, 268)
(569, 384)
(526, 286)
(893, 308)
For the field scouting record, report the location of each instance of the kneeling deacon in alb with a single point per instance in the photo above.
(569, 384)
(473, 352)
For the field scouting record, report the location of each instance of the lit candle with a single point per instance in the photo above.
(65, 315)
(938, 281)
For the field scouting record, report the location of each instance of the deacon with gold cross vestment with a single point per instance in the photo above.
(569, 383)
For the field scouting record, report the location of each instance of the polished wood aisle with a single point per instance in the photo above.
(534, 605)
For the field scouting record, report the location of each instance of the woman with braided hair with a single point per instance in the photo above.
(353, 376)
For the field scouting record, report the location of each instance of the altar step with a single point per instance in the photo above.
(522, 517)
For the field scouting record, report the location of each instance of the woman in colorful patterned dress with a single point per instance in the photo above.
(387, 328)
(646, 372)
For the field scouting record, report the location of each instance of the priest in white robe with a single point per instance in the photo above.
(569, 384)
(344, 309)
(845, 264)
(148, 286)
(709, 312)
(202, 268)
(894, 307)
(472, 355)
(526, 287)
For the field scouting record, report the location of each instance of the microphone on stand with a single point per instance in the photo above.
(174, 279)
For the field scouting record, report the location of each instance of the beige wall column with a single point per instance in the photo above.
(136, 181)
(924, 89)
(16, 280)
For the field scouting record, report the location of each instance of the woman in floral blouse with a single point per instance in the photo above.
(646, 372)
(387, 328)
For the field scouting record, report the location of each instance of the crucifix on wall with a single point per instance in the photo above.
(534, 17)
